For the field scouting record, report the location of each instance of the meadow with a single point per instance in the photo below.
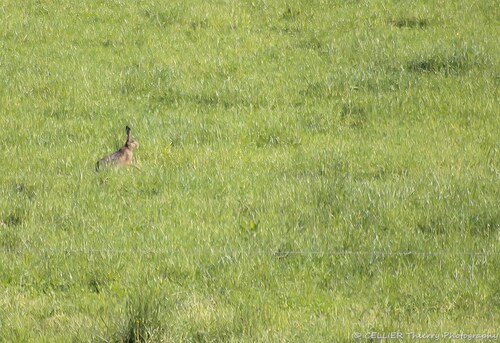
(311, 170)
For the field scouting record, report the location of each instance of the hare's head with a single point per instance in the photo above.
(131, 143)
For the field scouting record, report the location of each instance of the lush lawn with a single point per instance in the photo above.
(311, 170)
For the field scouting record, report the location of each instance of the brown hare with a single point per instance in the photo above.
(124, 156)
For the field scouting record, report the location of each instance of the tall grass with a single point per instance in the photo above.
(311, 170)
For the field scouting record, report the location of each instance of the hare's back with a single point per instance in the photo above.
(116, 157)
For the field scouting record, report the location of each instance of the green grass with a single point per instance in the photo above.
(311, 169)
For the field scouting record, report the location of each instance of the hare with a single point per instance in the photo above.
(124, 156)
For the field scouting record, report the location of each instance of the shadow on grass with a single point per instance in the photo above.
(458, 61)
(409, 22)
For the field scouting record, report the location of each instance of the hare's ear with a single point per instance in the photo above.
(127, 130)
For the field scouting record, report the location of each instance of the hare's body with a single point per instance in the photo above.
(124, 156)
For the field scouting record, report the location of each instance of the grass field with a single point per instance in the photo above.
(311, 170)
